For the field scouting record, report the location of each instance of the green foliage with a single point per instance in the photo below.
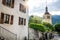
(39, 27)
(35, 19)
(57, 27)
(35, 22)
(49, 26)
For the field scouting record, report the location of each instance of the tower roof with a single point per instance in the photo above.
(46, 10)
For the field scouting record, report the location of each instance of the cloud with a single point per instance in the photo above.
(41, 14)
(37, 7)
(37, 3)
(36, 14)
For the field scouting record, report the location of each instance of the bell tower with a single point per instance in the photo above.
(47, 17)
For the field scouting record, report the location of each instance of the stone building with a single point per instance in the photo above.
(47, 17)
(13, 19)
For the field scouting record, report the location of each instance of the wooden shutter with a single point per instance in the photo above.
(12, 3)
(4, 2)
(11, 21)
(19, 21)
(2, 18)
(24, 21)
(20, 7)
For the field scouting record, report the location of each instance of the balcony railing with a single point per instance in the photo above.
(7, 34)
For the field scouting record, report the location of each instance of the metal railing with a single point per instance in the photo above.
(7, 34)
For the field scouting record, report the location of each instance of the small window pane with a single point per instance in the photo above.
(24, 21)
(6, 19)
(8, 2)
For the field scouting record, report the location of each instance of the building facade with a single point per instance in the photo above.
(14, 18)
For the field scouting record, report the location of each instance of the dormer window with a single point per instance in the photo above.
(9, 3)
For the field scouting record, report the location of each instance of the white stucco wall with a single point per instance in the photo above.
(20, 30)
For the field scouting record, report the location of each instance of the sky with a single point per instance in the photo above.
(37, 7)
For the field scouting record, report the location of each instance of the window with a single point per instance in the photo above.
(48, 17)
(9, 3)
(22, 21)
(5, 18)
(23, 0)
(22, 8)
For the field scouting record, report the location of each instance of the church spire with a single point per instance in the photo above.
(46, 7)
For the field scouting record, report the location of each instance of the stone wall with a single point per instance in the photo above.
(34, 35)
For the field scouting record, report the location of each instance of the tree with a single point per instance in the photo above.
(39, 27)
(49, 26)
(57, 27)
(35, 19)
